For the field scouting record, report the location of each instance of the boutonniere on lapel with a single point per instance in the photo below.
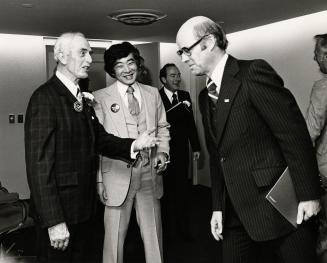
(89, 98)
(186, 104)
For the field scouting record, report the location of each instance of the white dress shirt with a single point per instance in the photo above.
(170, 94)
(71, 86)
(122, 88)
(218, 72)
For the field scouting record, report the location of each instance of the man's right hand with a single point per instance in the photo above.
(59, 236)
(145, 141)
(102, 192)
(217, 225)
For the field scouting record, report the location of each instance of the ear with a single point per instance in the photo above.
(210, 42)
(164, 80)
(62, 57)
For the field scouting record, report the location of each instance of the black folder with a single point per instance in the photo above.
(282, 196)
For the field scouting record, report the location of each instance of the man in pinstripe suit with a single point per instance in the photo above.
(253, 129)
(62, 140)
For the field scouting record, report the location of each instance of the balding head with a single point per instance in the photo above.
(200, 26)
(201, 43)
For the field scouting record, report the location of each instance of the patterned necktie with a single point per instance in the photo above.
(133, 104)
(174, 100)
(212, 92)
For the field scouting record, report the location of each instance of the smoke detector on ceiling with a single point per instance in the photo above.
(137, 17)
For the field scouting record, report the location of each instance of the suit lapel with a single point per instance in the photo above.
(228, 91)
(149, 103)
(64, 92)
(117, 117)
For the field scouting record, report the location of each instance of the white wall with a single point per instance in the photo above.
(22, 70)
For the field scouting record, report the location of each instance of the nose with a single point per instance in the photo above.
(88, 58)
(184, 58)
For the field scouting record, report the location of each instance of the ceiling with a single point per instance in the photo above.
(52, 17)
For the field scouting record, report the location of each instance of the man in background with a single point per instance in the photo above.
(254, 129)
(62, 141)
(316, 121)
(183, 132)
(126, 109)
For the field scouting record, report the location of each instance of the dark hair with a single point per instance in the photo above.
(118, 51)
(163, 71)
(321, 40)
(209, 27)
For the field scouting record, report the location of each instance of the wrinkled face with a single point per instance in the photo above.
(196, 60)
(78, 58)
(173, 79)
(321, 58)
(126, 70)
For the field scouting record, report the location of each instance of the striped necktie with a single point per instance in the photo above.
(212, 90)
(133, 104)
(79, 96)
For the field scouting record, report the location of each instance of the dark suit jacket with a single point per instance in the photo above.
(61, 147)
(260, 131)
(182, 130)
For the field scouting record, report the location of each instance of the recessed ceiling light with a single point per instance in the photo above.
(137, 17)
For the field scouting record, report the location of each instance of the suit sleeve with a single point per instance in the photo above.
(110, 145)
(40, 132)
(317, 110)
(278, 108)
(192, 131)
(163, 131)
(216, 176)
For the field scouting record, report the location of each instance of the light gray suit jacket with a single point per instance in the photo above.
(316, 122)
(116, 174)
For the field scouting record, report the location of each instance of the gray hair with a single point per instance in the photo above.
(209, 27)
(63, 43)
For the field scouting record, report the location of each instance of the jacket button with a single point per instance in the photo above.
(222, 159)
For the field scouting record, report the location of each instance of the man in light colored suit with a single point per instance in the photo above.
(126, 108)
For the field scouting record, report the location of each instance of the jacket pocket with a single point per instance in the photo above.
(67, 179)
(267, 176)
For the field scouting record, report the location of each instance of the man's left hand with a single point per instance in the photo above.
(307, 209)
(160, 162)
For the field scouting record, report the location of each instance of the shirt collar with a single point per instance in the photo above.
(218, 72)
(169, 93)
(71, 86)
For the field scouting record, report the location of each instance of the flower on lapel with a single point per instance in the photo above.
(89, 98)
(187, 103)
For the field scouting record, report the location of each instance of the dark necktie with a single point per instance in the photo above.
(174, 100)
(212, 92)
(133, 104)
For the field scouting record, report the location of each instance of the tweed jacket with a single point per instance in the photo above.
(260, 131)
(316, 122)
(61, 151)
(115, 174)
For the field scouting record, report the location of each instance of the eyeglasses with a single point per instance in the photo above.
(187, 50)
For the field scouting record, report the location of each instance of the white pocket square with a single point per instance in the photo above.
(226, 100)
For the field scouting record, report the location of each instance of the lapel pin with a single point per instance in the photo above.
(78, 106)
(226, 100)
(115, 107)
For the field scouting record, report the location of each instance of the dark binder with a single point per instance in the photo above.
(282, 196)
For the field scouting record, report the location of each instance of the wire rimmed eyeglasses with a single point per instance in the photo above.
(187, 50)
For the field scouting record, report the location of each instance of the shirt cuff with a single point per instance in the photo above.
(133, 154)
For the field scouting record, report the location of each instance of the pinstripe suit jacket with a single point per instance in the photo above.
(260, 131)
(61, 149)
